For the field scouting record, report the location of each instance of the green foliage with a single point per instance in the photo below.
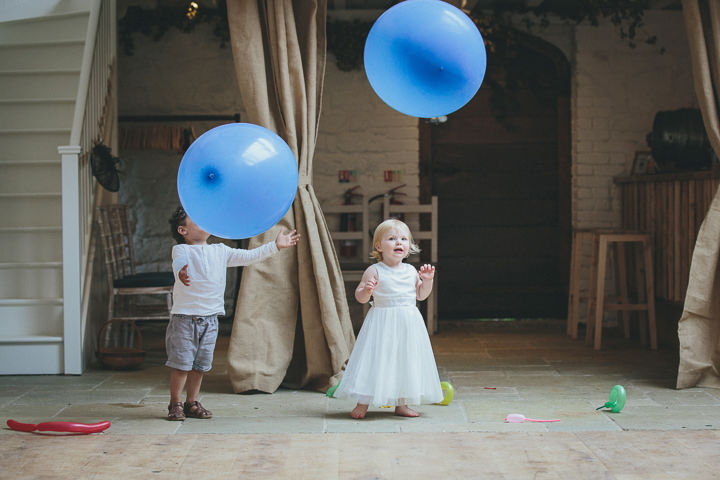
(155, 23)
(513, 65)
(626, 15)
(346, 41)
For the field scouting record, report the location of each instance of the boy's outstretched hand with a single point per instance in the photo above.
(285, 240)
(427, 272)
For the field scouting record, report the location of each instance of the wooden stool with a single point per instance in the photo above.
(597, 301)
(576, 254)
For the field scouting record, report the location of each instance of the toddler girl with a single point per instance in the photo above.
(392, 362)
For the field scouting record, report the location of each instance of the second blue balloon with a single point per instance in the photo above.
(425, 58)
(237, 180)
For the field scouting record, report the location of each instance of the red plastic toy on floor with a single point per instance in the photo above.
(66, 427)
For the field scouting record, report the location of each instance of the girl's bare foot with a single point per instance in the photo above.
(405, 411)
(359, 411)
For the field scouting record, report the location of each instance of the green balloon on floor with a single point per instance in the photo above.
(448, 393)
(331, 390)
(617, 399)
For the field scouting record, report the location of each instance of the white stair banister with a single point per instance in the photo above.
(72, 260)
(78, 185)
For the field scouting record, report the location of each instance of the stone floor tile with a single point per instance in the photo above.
(500, 425)
(488, 393)
(682, 398)
(597, 423)
(440, 427)
(87, 380)
(138, 426)
(668, 418)
(252, 425)
(72, 397)
(156, 399)
(114, 411)
(375, 421)
(8, 398)
(31, 413)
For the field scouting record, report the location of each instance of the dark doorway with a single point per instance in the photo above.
(503, 186)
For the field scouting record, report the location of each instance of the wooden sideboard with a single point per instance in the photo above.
(671, 207)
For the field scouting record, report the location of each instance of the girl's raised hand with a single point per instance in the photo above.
(370, 285)
(285, 240)
(427, 272)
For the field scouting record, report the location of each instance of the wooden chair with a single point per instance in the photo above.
(353, 268)
(431, 235)
(360, 235)
(124, 283)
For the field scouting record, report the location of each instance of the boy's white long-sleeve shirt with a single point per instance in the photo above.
(207, 269)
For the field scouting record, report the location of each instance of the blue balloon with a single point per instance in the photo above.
(425, 58)
(237, 180)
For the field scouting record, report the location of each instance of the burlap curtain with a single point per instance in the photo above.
(279, 51)
(699, 326)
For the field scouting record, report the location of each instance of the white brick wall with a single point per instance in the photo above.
(360, 132)
(182, 74)
(616, 92)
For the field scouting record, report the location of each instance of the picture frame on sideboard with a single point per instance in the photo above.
(643, 163)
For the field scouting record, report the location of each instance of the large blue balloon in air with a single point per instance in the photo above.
(425, 58)
(237, 180)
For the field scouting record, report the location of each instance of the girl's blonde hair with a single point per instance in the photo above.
(389, 225)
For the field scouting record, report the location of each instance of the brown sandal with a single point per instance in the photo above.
(196, 410)
(175, 412)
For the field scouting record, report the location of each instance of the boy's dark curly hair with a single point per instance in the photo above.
(178, 218)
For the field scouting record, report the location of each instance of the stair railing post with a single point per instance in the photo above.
(72, 260)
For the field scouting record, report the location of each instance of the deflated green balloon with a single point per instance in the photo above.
(331, 390)
(448, 393)
(617, 399)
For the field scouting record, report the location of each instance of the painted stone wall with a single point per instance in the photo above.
(617, 92)
(360, 132)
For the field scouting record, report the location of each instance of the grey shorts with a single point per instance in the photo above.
(190, 342)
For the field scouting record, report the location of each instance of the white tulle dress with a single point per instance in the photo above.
(392, 362)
